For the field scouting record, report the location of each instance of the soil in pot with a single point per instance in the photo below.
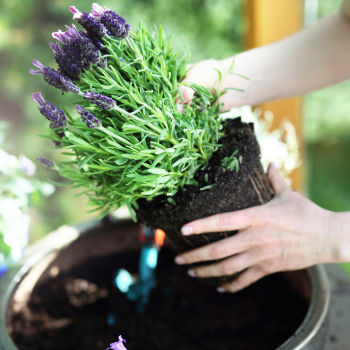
(71, 311)
(233, 191)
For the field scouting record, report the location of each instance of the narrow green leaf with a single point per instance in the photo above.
(158, 171)
(208, 187)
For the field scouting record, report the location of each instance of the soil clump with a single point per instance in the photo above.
(233, 191)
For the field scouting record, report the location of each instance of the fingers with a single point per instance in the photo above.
(244, 280)
(222, 222)
(215, 251)
(226, 267)
(202, 73)
(187, 93)
(276, 181)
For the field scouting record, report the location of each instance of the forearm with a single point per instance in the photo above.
(339, 227)
(308, 60)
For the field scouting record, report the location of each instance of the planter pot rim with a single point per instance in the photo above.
(304, 336)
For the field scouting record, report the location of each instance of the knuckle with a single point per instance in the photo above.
(260, 239)
(266, 268)
(225, 269)
(190, 257)
(217, 252)
(225, 221)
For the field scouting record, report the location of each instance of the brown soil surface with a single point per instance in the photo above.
(70, 311)
(233, 191)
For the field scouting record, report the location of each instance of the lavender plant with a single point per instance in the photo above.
(132, 140)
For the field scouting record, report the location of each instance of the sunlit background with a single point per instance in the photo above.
(210, 29)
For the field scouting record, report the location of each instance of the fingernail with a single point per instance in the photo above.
(187, 230)
(180, 261)
(221, 290)
(192, 273)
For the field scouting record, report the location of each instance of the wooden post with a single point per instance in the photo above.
(269, 21)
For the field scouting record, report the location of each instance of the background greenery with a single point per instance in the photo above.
(211, 29)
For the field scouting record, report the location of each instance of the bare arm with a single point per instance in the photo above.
(311, 59)
(289, 232)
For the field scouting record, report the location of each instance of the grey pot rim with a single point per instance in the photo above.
(55, 241)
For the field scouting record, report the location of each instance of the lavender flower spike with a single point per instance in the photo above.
(118, 345)
(74, 52)
(68, 36)
(47, 163)
(98, 11)
(76, 13)
(100, 100)
(86, 20)
(69, 85)
(88, 118)
(116, 25)
(50, 112)
(54, 78)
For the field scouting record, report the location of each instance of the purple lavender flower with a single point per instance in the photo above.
(102, 63)
(54, 78)
(47, 163)
(69, 85)
(74, 52)
(88, 118)
(100, 100)
(95, 29)
(98, 11)
(116, 25)
(50, 112)
(87, 21)
(118, 345)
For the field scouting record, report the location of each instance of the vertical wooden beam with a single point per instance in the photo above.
(269, 21)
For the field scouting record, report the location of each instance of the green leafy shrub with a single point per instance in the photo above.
(133, 139)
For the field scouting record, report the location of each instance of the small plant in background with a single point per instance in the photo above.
(132, 139)
(19, 190)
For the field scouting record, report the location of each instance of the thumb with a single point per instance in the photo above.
(276, 181)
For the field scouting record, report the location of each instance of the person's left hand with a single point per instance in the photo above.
(288, 233)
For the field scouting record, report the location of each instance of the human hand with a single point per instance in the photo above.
(202, 73)
(205, 73)
(288, 233)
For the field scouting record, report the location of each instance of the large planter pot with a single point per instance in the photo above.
(69, 247)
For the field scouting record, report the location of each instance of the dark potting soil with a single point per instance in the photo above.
(70, 311)
(233, 191)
